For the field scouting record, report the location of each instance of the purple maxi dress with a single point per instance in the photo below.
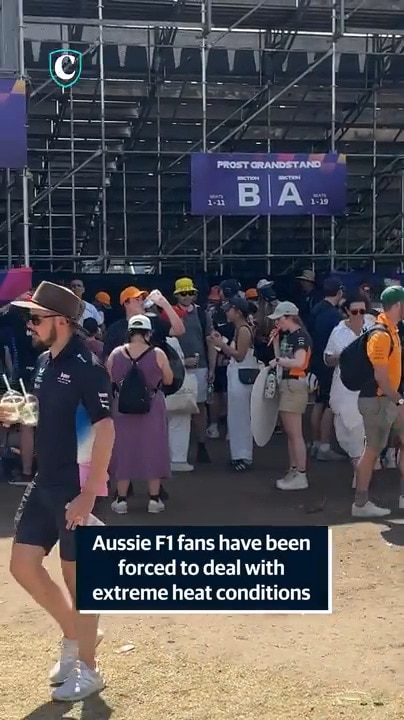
(141, 450)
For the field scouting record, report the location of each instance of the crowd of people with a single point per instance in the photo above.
(120, 403)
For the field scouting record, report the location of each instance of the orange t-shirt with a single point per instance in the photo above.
(378, 351)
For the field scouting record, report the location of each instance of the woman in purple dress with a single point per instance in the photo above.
(141, 450)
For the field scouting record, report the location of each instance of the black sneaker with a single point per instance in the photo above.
(202, 456)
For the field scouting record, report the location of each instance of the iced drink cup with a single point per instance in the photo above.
(12, 403)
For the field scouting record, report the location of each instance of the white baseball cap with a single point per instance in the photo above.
(139, 322)
(283, 309)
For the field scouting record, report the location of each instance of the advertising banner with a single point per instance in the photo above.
(13, 124)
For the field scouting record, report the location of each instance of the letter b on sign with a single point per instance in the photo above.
(248, 195)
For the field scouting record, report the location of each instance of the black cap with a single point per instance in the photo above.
(238, 303)
(332, 286)
(90, 325)
(230, 287)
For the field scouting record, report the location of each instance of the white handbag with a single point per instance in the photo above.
(184, 400)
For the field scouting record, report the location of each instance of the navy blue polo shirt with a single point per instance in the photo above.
(74, 393)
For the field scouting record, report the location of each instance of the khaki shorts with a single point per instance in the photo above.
(380, 417)
(294, 396)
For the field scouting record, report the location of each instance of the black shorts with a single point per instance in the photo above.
(220, 381)
(41, 519)
(324, 389)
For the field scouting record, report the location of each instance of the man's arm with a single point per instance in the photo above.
(378, 351)
(97, 399)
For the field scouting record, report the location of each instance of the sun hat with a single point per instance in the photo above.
(307, 275)
(139, 322)
(53, 298)
(131, 293)
(283, 309)
(184, 285)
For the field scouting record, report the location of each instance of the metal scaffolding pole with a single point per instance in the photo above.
(374, 182)
(25, 173)
(204, 125)
(125, 210)
(104, 218)
(221, 268)
(313, 241)
(9, 227)
(269, 219)
(333, 117)
(73, 188)
(50, 213)
(159, 189)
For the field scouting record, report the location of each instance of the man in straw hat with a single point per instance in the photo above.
(74, 395)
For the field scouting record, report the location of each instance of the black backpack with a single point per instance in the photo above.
(135, 397)
(356, 370)
(177, 366)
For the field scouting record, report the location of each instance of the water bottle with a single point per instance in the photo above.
(210, 396)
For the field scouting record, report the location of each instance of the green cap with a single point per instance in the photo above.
(392, 295)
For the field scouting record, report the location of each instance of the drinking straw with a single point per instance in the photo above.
(22, 386)
(7, 384)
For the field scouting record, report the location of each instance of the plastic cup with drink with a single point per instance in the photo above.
(19, 407)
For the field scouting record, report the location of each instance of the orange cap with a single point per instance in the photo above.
(251, 294)
(131, 293)
(214, 293)
(103, 298)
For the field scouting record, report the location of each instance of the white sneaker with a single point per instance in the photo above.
(297, 481)
(156, 506)
(68, 660)
(181, 467)
(390, 462)
(120, 507)
(369, 510)
(80, 684)
(213, 432)
(401, 503)
(289, 475)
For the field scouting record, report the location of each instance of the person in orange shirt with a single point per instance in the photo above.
(380, 402)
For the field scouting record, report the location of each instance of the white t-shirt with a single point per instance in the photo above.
(91, 311)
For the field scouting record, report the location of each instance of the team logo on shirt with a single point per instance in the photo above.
(64, 379)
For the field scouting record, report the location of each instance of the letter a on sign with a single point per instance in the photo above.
(290, 194)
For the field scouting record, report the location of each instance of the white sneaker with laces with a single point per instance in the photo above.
(369, 510)
(120, 507)
(156, 506)
(297, 481)
(181, 467)
(68, 660)
(80, 684)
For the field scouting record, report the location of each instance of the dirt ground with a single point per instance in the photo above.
(345, 666)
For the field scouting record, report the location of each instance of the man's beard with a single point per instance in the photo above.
(46, 343)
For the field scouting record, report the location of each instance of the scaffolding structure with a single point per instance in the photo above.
(108, 182)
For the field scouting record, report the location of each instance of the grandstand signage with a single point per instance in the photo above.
(268, 184)
(13, 124)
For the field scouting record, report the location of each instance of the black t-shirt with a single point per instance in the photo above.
(74, 393)
(117, 333)
(289, 344)
(221, 324)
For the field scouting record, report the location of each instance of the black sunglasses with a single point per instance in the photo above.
(187, 294)
(38, 319)
(357, 312)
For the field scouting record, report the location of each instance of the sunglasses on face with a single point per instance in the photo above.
(187, 294)
(358, 312)
(38, 319)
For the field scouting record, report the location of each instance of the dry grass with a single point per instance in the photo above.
(153, 683)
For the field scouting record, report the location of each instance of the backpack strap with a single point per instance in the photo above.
(136, 360)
